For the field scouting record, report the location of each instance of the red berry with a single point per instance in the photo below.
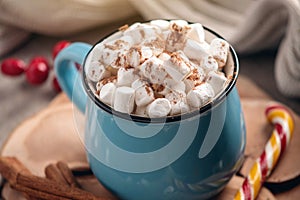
(37, 71)
(78, 66)
(13, 66)
(39, 59)
(59, 46)
(56, 85)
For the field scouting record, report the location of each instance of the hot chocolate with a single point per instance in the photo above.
(158, 69)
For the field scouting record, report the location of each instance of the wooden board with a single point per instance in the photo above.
(51, 135)
(258, 132)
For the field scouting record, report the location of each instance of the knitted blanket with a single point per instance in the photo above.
(250, 26)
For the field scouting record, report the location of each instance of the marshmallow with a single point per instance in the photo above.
(145, 53)
(164, 56)
(124, 99)
(217, 80)
(124, 42)
(172, 85)
(95, 54)
(200, 74)
(205, 45)
(176, 36)
(160, 107)
(196, 32)
(100, 84)
(162, 24)
(126, 76)
(219, 50)
(141, 32)
(179, 22)
(141, 111)
(137, 84)
(176, 67)
(178, 102)
(165, 35)
(96, 71)
(200, 95)
(157, 44)
(179, 108)
(137, 55)
(195, 78)
(209, 64)
(107, 93)
(153, 70)
(134, 26)
(133, 57)
(189, 84)
(143, 93)
(194, 50)
(186, 60)
(114, 52)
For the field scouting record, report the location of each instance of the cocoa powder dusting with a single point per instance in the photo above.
(109, 80)
(123, 28)
(148, 90)
(120, 43)
(136, 71)
(111, 47)
(157, 43)
(156, 95)
(194, 75)
(176, 28)
(118, 61)
(177, 35)
(175, 56)
(157, 87)
(116, 46)
(148, 67)
(197, 83)
(175, 38)
(137, 49)
(142, 32)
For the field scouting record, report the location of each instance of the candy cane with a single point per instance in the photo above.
(280, 117)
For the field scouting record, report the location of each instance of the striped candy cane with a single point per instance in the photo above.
(280, 117)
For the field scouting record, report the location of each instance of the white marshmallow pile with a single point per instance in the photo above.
(158, 69)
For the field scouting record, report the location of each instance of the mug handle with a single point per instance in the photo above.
(69, 78)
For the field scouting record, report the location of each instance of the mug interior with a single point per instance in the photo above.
(231, 71)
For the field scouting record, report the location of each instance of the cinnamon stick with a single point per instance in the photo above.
(36, 194)
(11, 175)
(67, 174)
(53, 173)
(21, 179)
(52, 187)
(10, 168)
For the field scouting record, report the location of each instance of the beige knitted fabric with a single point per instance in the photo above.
(61, 17)
(249, 25)
(55, 17)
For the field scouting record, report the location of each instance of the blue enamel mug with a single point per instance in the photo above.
(187, 156)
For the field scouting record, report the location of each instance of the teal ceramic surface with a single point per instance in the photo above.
(191, 156)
